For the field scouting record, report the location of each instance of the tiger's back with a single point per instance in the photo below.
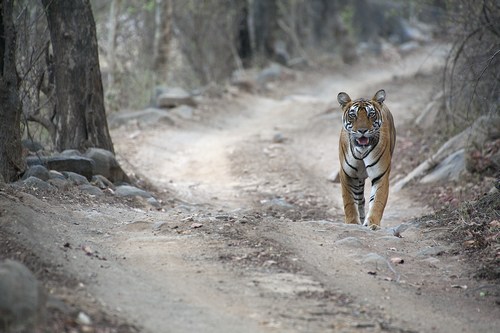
(367, 141)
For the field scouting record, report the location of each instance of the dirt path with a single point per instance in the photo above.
(256, 242)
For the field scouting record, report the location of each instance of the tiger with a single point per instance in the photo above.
(366, 144)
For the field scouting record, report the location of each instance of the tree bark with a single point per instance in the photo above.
(163, 36)
(11, 164)
(80, 114)
(113, 25)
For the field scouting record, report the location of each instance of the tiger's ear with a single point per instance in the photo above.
(343, 98)
(379, 96)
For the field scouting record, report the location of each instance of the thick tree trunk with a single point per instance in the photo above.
(80, 114)
(11, 163)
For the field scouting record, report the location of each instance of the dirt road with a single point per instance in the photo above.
(254, 240)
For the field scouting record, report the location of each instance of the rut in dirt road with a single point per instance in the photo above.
(254, 241)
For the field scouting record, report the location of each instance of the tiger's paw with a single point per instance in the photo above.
(371, 225)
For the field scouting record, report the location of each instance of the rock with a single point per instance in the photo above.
(90, 189)
(175, 96)
(38, 171)
(374, 261)
(449, 169)
(105, 164)
(484, 129)
(76, 164)
(350, 241)
(427, 118)
(183, 111)
(37, 183)
(432, 262)
(83, 319)
(334, 177)
(244, 81)
(75, 178)
(279, 138)
(53, 174)
(61, 184)
(131, 191)
(153, 202)
(23, 299)
(101, 182)
(148, 117)
(70, 152)
(271, 73)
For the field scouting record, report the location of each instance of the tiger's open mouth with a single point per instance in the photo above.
(362, 141)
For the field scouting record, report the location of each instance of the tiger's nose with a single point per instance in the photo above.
(363, 130)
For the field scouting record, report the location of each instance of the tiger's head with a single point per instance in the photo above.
(362, 118)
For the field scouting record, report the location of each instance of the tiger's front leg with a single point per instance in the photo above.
(353, 198)
(378, 200)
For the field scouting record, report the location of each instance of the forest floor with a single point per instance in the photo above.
(251, 235)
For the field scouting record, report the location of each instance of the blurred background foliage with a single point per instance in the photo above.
(201, 44)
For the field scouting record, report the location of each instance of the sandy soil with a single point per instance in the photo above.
(251, 237)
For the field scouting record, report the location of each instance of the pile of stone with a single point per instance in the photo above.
(95, 172)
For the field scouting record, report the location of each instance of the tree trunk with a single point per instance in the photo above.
(163, 36)
(113, 25)
(80, 114)
(11, 164)
(265, 25)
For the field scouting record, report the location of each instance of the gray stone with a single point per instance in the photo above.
(37, 183)
(350, 241)
(22, 301)
(374, 261)
(77, 164)
(75, 178)
(153, 202)
(334, 177)
(183, 111)
(70, 152)
(102, 182)
(38, 171)
(131, 191)
(90, 189)
(175, 96)
(432, 262)
(61, 184)
(148, 117)
(428, 116)
(449, 169)
(279, 138)
(105, 164)
(53, 174)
